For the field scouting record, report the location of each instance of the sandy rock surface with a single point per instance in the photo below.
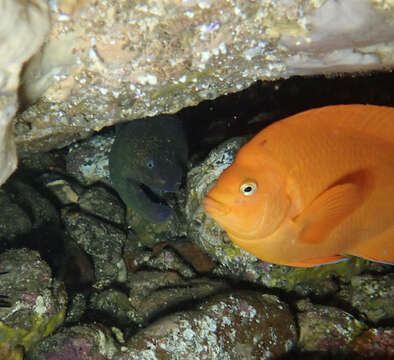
(113, 60)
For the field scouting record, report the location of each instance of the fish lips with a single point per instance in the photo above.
(215, 208)
(153, 194)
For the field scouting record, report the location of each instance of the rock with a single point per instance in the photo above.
(374, 344)
(88, 342)
(202, 229)
(8, 159)
(152, 293)
(139, 257)
(371, 295)
(65, 192)
(13, 219)
(39, 163)
(76, 308)
(181, 256)
(87, 161)
(107, 61)
(326, 329)
(41, 211)
(116, 307)
(37, 302)
(102, 241)
(190, 252)
(150, 234)
(99, 201)
(23, 28)
(243, 325)
(325, 46)
(75, 267)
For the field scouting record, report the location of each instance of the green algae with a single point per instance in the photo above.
(15, 338)
(40, 328)
(291, 277)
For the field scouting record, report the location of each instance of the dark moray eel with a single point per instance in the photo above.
(148, 159)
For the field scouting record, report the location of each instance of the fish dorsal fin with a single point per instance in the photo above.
(331, 207)
(370, 119)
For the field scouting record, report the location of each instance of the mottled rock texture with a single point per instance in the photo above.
(325, 328)
(243, 325)
(37, 302)
(102, 241)
(110, 60)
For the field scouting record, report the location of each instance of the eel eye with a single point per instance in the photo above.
(248, 188)
(150, 164)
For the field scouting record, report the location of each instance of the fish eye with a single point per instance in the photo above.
(248, 188)
(150, 164)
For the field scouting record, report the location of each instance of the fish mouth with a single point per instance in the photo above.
(219, 212)
(215, 208)
(153, 195)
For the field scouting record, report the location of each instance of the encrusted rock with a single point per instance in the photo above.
(326, 328)
(149, 234)
(79, 342)
(243, 325)
(102, 241)
(87, 161)
(205, 231)
(116, 305)
(99, 201)
(76, 308)
(371, 295)
(374, 344)
(111, 60)
(152, 292)
(37, 302)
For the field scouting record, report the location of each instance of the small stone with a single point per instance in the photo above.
(99, 201)
(62, 189)
(371, 295)
(326, 328)
(87, 160)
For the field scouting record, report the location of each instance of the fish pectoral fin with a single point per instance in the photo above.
(328, 210)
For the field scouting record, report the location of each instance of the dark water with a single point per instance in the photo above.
(248, 111)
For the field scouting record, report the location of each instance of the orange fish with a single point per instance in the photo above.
(313, 187)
